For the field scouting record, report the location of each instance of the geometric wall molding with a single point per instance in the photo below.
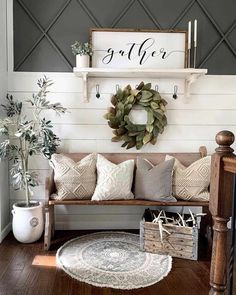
(45, 29)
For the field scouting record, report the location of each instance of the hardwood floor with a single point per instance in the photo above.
(24, 270)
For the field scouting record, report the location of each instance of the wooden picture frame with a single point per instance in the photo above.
(130, 48)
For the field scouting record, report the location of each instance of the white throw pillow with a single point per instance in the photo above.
(192, 182)
(114, 182)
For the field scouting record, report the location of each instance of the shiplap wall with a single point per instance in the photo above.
(211, 108)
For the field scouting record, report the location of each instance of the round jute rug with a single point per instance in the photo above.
(112, 259)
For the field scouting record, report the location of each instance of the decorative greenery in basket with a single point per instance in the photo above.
(137, 135)
(81, 48)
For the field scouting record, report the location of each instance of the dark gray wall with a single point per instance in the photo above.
(45, 29)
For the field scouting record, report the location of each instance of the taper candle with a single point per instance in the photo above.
(195, 33)
(189, 35)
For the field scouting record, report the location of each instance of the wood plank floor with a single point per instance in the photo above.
(24, 270)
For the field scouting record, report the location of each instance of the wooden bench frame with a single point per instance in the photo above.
(155, 158)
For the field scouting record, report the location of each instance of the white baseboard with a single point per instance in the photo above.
(5, 232)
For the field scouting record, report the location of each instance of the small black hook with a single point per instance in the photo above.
(97, 91)
(175, 92)
(117, 87)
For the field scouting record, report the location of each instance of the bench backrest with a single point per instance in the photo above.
(155, 158)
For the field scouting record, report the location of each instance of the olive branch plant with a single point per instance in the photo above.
(26, 137)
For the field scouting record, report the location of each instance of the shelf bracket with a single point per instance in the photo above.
(85, 86)
(188, 82)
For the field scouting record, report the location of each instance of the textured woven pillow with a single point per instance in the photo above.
(154, 183)
(192, 182)
(74, 180)
(113, 181)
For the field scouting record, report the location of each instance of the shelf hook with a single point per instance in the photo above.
(156, 88)
(97, 91)
(175, 92)
(117, 87)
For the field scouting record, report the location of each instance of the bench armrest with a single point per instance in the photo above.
(203, 151)
(49, 187)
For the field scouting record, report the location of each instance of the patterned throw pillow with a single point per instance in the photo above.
(74, 180)
(113, 181)
(154, 183)
(192, 182)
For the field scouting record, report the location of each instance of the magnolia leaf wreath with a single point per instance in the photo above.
(136, 135)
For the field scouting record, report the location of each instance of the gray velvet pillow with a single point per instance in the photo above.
(154, 183)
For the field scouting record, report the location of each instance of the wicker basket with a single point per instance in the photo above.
(182, 241)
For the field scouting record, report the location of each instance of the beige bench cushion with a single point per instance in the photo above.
(192, 182)
(74, 180)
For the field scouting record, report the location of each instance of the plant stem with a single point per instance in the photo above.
(24, 161)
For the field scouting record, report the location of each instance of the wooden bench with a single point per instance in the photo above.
(155, 158)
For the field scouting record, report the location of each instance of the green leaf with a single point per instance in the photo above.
(156, 97)
(155, 131)
(111, 110)
(119, 95)
(154, 105)
(134, 92)
(139, 145)
(140, 86)
(120, 106)
(149, 128)
(133, 133)
(135, 127)
(140, 136)
(130, 98)
(146, 94)
(162, 107)
(131, 144)
(119, 114)
(147, 86)
(164, 102)
(147, 138)
(164, 120)
(126, 91)
(154, 140)
(126, 138)
(113, 125)
(108, 116)
(144, 104)
(125, 144)
(127, 109)
(150, 117)
(121, 131)
(116, 138)
(158, 116)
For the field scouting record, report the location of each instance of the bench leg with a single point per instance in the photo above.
(48, 228)
(52, 218)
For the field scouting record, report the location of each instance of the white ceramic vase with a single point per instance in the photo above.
(27, 223)
(82, 61)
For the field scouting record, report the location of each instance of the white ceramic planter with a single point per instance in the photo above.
(82, 61)
(27, 223)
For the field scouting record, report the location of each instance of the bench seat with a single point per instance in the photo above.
(132, 202)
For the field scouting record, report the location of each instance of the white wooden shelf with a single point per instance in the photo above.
(189, 75)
